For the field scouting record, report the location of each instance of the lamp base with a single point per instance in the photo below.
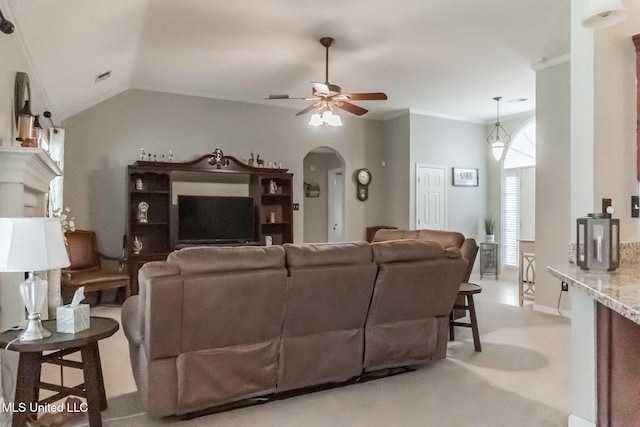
(33, 292)
(35, 330)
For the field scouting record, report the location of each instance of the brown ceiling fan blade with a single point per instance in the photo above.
(309, 108)
(271, 97)
(354, 109)
(372, 96)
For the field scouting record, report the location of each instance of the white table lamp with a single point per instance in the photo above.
(31, 245)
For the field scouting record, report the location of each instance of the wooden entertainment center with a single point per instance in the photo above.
(152, 184)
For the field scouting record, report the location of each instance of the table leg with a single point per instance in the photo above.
(96, 397)
(27, 388)
(474, 323)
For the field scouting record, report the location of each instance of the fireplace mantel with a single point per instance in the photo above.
(31, 167)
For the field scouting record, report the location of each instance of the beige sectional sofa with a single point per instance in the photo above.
(215, 325)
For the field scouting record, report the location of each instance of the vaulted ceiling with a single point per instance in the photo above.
(443, 57)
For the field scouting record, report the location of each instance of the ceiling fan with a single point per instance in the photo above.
(327, 97)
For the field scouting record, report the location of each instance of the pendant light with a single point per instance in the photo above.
(604, 13)
(498, 138)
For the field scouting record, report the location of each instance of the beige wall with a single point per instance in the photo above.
(396, 173)
(615, 121)
(553, 180)
(101, 141)
(452, 143)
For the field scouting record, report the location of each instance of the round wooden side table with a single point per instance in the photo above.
(28, 383)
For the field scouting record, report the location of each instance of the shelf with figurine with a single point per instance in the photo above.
(152, 220)
(216, 161)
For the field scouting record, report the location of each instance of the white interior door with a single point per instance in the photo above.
(335, 203)
(431, 207)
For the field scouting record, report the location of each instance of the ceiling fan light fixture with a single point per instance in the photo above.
(335, 120)
(498, 137)
(604, 13)
(327, 98)
(316, 120)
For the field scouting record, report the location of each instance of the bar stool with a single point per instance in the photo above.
(467, 290)
(527, 277)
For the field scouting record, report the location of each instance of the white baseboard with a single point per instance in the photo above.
(550, 310)
(579, 422)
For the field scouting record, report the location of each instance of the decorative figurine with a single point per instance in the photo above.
(138, 184)
(137, 246)
(143, 209)
(142, 155)
(273, 187)
(259, 161)
(251, 159)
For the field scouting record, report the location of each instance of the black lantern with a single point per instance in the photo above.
(25, 123)
(598, 245)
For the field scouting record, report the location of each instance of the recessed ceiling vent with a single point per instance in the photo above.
(103, 76)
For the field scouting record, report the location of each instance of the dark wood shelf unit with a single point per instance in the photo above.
(279, 204)
(158, 235)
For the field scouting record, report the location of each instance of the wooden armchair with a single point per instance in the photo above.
(85, 269)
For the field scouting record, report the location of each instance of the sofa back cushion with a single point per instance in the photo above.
(385, 234)
(232, 295)
(328, 298)
(232, 310)
(415, 289)
(448, 239)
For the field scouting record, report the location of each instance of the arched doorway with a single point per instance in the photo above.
(518, 192)
(324, 201)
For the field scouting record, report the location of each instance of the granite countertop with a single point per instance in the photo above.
(619, 290)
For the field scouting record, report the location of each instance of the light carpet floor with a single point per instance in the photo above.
(521, 378)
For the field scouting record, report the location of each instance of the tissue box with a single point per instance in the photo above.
(72, 319)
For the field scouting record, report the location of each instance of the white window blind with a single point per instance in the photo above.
(510, 217)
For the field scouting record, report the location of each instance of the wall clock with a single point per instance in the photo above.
(363, 179)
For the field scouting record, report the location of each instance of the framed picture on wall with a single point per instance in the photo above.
(465, 177)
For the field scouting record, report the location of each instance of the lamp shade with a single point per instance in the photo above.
(604, 13)
(31, 244)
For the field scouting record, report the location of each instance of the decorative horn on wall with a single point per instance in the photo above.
(47, 114)
(6, 26)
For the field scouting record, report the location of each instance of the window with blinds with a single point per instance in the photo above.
(511, 217)
(521, 153)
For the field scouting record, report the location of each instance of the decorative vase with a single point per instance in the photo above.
(491, 238)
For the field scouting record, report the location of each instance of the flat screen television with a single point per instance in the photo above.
(215, 219)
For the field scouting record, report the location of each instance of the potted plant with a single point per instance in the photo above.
(489, 228)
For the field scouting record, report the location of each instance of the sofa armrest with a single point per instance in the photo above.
(132, 320)
(160, 307)
(469, 250)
